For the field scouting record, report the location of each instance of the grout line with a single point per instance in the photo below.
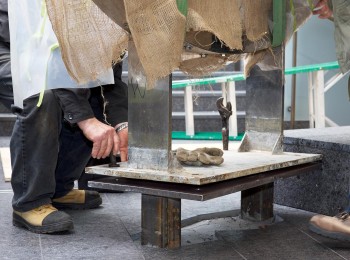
(319, 242)
(240, 254)
(41, 248)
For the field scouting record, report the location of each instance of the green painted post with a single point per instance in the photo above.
(182, 5)
(279, 22)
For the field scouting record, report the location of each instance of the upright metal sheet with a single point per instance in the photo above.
(264, 107)
(149, 118)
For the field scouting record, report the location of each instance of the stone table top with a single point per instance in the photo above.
(236, 164)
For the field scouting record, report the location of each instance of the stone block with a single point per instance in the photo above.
(323, 191)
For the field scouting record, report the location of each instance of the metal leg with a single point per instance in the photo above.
(264, 111)
(149, 117)
(257, 203)
(161, 222)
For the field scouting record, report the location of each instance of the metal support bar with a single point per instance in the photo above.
(202, 192)
(264, 108)
(329, 122)
(257, 203)
(161, 222)
(334, 80)
(149, 117)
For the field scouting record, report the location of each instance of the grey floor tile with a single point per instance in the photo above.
(216, 250)
(15, 243)
(98, 234)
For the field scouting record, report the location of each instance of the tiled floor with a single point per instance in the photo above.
(113, 232)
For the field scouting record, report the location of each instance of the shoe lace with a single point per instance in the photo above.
(343, 215)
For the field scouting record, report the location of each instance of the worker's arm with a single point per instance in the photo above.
(116, 109)
(77, 110)
(116, 98)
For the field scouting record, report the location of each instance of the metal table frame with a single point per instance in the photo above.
(161, 201)
(150, 149)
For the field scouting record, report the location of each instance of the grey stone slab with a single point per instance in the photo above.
(329, 138)
(323, 191)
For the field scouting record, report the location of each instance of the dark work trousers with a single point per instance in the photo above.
(47, 153)
(6, 91)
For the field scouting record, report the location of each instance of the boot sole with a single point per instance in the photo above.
(92, 204)
(325, 233)
(47, 229)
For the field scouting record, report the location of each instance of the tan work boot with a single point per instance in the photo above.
(43, 219)
(78, 199)
(337, 227)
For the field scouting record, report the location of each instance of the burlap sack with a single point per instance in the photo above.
(220, 17)
(158, 30)
(89, 40)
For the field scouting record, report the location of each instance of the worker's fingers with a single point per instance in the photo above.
(106, 150)
(116, 144)
(95, 150)
(123, 155)
(101, 136)
(99, 147)
(123, 145)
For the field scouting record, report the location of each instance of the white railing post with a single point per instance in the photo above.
(319, 99)
(231, 97)
(189, 119)
(311, 100)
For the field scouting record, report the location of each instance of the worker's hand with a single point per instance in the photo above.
(104, 138)
(322, 10)
(123, 146)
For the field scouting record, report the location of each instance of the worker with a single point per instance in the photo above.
(337, 227)
(57, 130)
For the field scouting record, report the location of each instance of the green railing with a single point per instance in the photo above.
(177, 84)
